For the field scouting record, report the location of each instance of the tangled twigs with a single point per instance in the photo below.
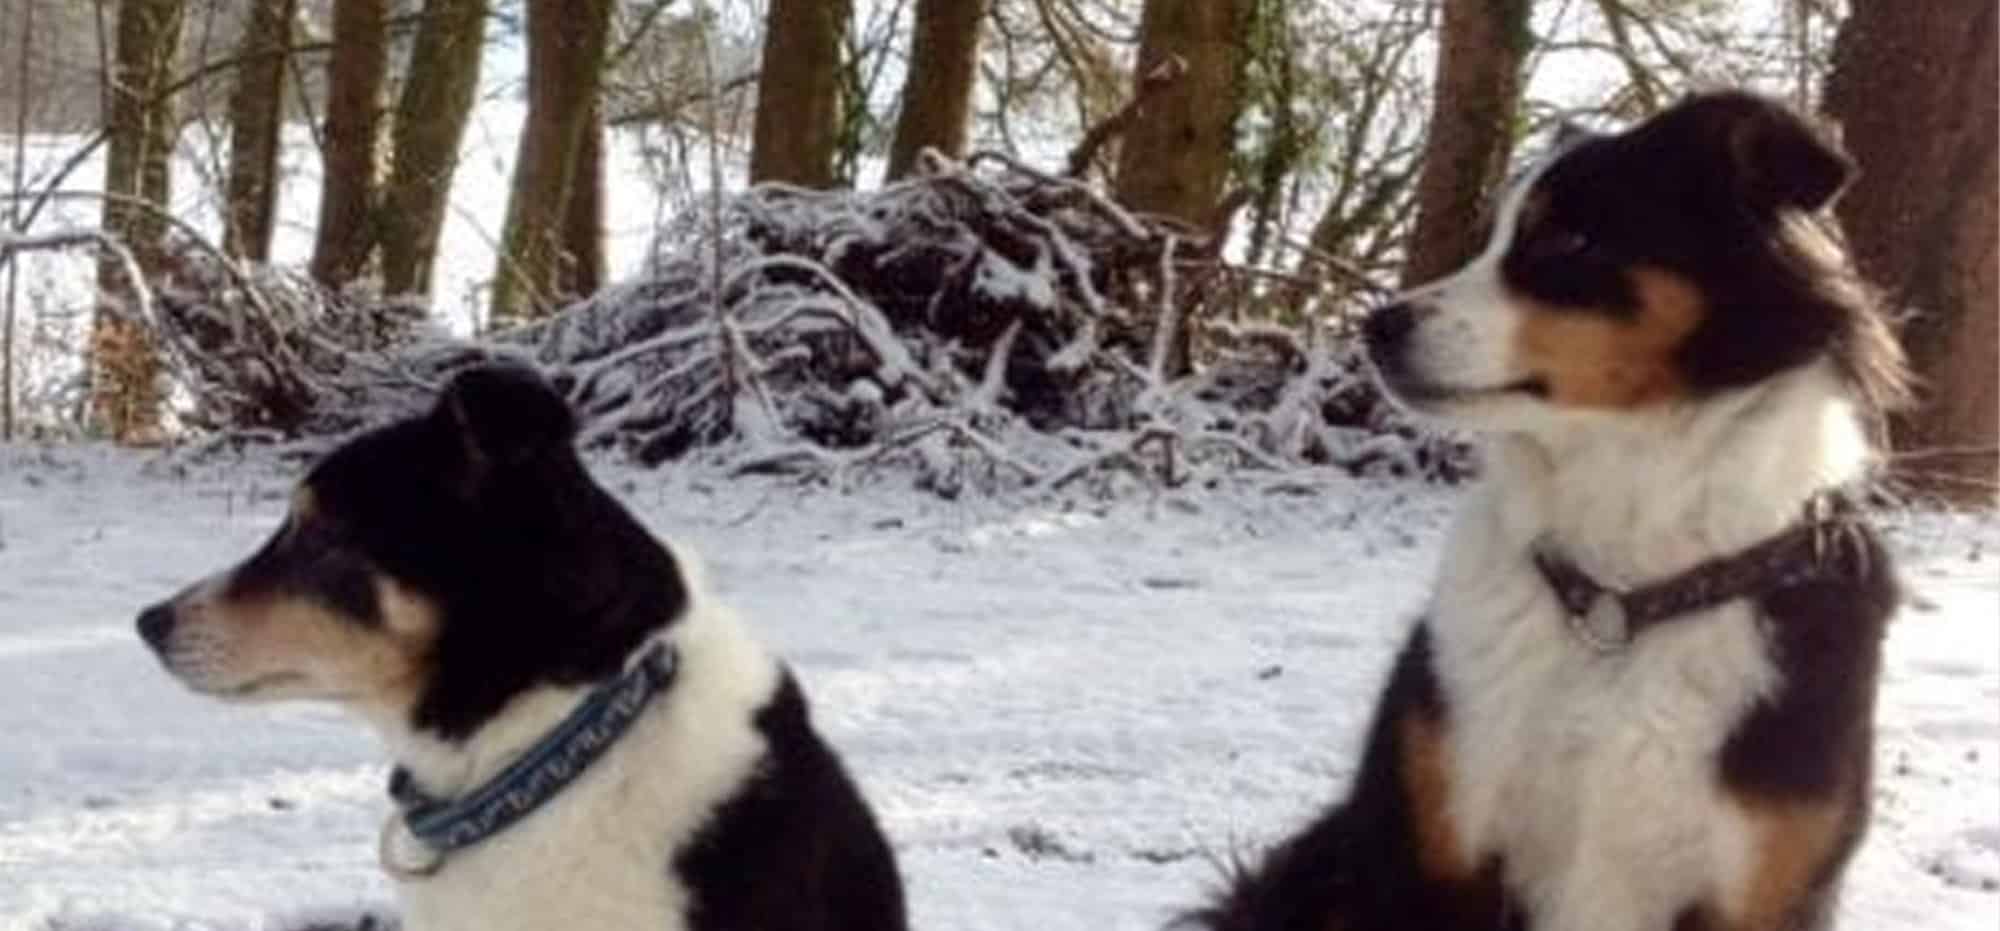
(144, 316)
(980, 324)
(838, 467)
(1127, 453)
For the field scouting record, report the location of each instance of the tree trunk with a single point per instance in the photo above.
(431, 122)
(125, 391)
(1913, 88)
(566, 47)
(256, 117)
(1176, 156)
(937, 94)
(1477, 97)
(798, 93)
(353, 128)
(431, 114)
(582, 269)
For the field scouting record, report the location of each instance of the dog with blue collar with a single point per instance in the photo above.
(583, 738)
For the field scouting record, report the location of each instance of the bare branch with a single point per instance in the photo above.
(1161, 77)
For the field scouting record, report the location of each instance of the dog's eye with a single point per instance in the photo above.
(1556, 243)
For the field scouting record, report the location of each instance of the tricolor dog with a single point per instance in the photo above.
(584, 739)
(1640, 697)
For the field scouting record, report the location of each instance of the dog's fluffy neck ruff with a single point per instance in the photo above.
(1630, 500)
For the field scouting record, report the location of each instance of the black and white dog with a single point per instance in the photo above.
(1641, 696)
(584, 739)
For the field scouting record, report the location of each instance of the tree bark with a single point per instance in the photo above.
(353, 135)
(1477, 97)
(937, 94)
(125, 368)
(256, 118)
(431, 114)
(582, 266)
(1176, 156)
(566, 46)
(1913, 88)
(798, 93)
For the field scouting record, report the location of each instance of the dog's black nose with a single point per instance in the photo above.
(1389, 328)
(156, 622)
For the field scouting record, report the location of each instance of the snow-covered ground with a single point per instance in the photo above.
(1065, 714)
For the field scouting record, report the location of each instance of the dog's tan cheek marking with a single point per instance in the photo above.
(341, 657)
(409, 631)
(1597, 360)
(1796, 840)
(1426, 761)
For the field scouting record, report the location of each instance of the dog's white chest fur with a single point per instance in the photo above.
(600, 854)
(1592, 774)
(583, 862)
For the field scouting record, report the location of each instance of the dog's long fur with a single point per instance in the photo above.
(1671, 360)
(460, 582)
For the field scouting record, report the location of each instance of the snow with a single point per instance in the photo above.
(1066, 712)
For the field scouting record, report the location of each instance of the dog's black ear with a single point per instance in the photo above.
(1777, 159)
(506, 414)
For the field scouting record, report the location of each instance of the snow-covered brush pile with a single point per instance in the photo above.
(267, 351)
(981, 320)
(982, 323)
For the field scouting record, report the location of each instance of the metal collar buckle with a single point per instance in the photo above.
(386, 853)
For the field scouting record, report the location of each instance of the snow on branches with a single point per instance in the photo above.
(980, 323)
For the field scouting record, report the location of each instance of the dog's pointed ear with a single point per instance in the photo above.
(506, 414)
(1778, 159)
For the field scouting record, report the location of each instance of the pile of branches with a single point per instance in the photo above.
(268, 352)
(983, 322)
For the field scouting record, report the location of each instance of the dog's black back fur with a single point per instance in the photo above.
(797, 832)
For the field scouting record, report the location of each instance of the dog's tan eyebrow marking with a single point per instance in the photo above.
(304, 503)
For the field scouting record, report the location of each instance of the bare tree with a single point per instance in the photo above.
(1476, 97)
(937, 92)
(15, 224)
(799, 93)
(353, 134)
(256, 117)
(1176, 155)
(1062, 60)
(141, 130)
(581, 271)
(1373, 114)
(566, 50)
(431, 114)
(1913, 87)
